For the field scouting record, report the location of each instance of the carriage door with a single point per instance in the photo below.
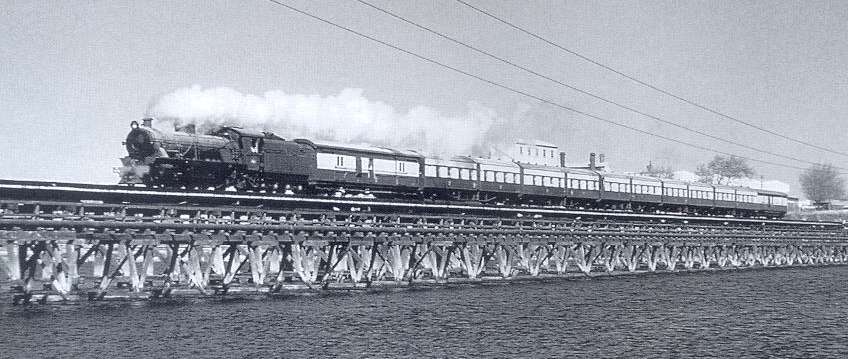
(252, 149)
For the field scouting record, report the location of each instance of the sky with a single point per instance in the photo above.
(74, 74)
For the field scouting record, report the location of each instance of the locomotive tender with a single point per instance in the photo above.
(250, 160)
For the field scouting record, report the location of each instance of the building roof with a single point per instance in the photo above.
(536, 143)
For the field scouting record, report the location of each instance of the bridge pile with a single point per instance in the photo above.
(59, 246)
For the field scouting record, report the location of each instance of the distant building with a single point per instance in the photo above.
(543, 154)
(530, 152)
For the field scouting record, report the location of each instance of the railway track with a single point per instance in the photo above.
(93, 195)
(64, 241)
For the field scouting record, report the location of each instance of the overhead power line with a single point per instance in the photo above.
(574, 88)
(520, 92)
(649, 85)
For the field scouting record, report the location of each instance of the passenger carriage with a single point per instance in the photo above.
(364, 167)
(725, 199)
(457, 178)
(701, 197)
(615, 190)
(772, 203)
(646, 192)
(583, 187)
(499, 180)
(675, 195)
(543, 184)
(746, 200)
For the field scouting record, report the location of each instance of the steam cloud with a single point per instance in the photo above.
(347, 117)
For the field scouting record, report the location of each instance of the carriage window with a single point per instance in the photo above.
(499, 177)
(443, 172)
(254, 145)
(463, 173)
(489, 176)
(473, 175)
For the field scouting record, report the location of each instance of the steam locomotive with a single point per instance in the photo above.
(246, 160)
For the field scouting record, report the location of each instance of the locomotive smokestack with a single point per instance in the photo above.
(147, 122)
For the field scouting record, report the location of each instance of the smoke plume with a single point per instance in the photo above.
(346, 117)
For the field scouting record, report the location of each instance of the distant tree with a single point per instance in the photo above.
(723, 169)
(657, 171)
(822, 183)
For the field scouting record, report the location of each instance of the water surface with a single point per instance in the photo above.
(794, 313)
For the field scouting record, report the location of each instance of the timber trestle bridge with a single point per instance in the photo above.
(63, 242)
